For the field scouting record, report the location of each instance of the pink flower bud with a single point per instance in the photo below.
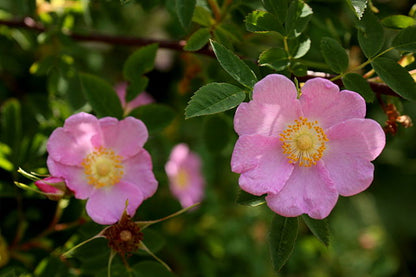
(53, 187)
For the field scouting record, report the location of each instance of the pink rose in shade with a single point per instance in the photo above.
(184, 173)
(103, 160)
(53, 187)
(303, 152)
(142, 99)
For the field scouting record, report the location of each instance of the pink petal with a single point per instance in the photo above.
(362, 138)
(274, 103)
(70, 144)
(261, 163)
(322, 101)
(142, 99)
(138, 172)
(74, 176)
(351, 175)
(120, 89)
(309, 190)
(125, 137)
(106, 205)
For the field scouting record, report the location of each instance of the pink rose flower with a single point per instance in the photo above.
(103, 160)
(303, 152)
(142, 99)
(53, 187)
(184, 173)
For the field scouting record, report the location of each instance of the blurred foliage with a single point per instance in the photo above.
(49, 73)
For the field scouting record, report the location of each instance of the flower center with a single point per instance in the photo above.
(103, 167)
(303, 142)
(182, 178)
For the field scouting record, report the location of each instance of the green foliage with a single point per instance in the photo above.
(370, 34)
(358, 7)
(283, 235)
(247, 199)
(261, 21)
(214, 98)
(319, 228)
(334, 55)
(198, 39)
(355, 82)
(406, 40)
(216, 133)
(275, 58)
(185, 11)
(396, 77)
(140, 62)
(136, 87)
(398, 21)
(101, 96)
(234, 66)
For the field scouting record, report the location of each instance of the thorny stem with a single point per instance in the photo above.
(29, 23)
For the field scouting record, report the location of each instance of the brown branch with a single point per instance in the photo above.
(30, 24)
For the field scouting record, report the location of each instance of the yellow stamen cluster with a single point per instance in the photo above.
(182, 178)
(303, 142)
(103, 167)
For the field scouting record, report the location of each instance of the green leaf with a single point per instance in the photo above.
(202, 16)
(319, 228)
(140, 62)
(214, 98)
(101, 96)
(11, 127)
(275, 58)
(406, 40)
(234, 66)
(198, 40)
(277, 7)
(261, 21)
(396, 77)
(298, 16)
(185, 10)
(334, 54)
(247, 199)
(299, 46)
(355, 82)
(136, 87)
(298, 69)
(155, 116)
(358, 7)
(283, 234)
(398, 21)
(370, 34)
(214, 125)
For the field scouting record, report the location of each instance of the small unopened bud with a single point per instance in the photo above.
(52, 187)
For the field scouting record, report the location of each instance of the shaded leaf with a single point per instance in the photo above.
(396, 77)
(214, 98)
(277, 7)
(298, 69)
(356, 82)
(319, 228)
(283, 234)
(406, 40)
(370, 34)
(136, 87)
(298, 16)
(185, 10)
(202, 16)
(301, 47)
(247, 199)
(358, 7)
(151, 268)
(275, 58)
(140, 62)
(334, 54)
(398, 21)
(11, 127)
(101, 96)
(197, 40)
(155, 116)
(261, 21)
(234, 66)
